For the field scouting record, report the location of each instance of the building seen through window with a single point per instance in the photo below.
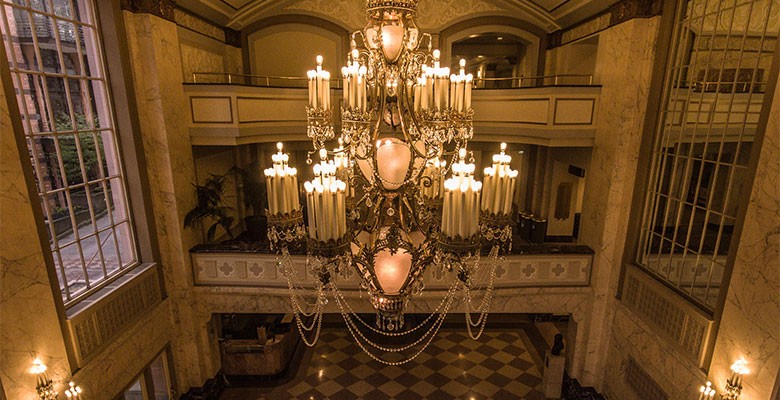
(57, 69)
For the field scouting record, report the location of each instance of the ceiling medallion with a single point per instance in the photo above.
(380, 205)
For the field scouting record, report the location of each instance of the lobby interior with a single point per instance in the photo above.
(645, 223)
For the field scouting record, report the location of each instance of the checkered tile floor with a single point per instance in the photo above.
(497, 366)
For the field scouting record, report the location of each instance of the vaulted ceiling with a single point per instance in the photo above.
(433, 15)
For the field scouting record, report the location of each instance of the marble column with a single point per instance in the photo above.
(625, 60)
(750, 324)
(29, 322)
(163, 111)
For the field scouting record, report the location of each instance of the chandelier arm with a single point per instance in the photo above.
(488, 272)
(289, 272)
(318, 321)
(403, 97)
(297, 309)
(425, 335)
(348, 315)
(425, 322)
(434, 332)
(486, 300)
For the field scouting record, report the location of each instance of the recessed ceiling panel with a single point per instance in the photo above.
(236, 3)
(550, 5)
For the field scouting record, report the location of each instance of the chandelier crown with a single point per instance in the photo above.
(379, 5)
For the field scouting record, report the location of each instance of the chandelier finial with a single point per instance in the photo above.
(380, 5)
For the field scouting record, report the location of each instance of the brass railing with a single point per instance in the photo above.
(300, 81)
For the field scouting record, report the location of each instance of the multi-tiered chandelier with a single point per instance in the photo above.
(379, 204)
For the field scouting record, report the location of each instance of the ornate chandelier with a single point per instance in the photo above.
(380, 204)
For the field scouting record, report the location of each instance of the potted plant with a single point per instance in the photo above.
(211, 208)
(255, 200)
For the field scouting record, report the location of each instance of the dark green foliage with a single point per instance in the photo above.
(210, 208)
(255, 196)
(69, 151)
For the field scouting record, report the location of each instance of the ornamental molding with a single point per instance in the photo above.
(162, 8)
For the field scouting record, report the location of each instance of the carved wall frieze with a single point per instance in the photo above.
(161, 8)
(620, 12)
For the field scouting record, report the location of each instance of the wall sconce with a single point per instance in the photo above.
(706, 392)
(44, 386)
(73, 391)
(734, 383)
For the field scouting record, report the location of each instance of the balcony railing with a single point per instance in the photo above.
(300, 81)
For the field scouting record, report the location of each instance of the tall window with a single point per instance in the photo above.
(715, 87)
(57, 67)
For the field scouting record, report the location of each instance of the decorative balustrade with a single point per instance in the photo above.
(261, 270)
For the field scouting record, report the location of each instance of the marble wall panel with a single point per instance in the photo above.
(110, 372)
(675, 374)
(29, 323)
(155, 55)
(626, 54)
(750, 324)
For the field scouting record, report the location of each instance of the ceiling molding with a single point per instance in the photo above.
(254, 11)
(537, 13)
(436, 14)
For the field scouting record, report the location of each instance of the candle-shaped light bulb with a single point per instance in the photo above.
(319, 61)
(279, 146)
(38, 367)
(355, 55)
(462, 66)
(462, 154)
(503, 148)
(323, 154)
(436, 54)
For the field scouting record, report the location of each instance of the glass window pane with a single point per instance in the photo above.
(126, 245)
(116, 201)
(80, 209)
(159, 374)
(108, 245)
(71, 159)
(92, 259)
(74, 272)
(135, 392)
(98, 110)
(62, 8)
(109, 152)
(90, 158)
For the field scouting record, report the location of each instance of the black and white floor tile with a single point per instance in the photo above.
(498, 366)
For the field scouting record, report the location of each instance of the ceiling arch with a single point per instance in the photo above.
(433, 15)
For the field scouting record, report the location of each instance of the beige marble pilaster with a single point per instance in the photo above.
(29, 323)
(625, 59)
(163, 110)
(750, 323)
